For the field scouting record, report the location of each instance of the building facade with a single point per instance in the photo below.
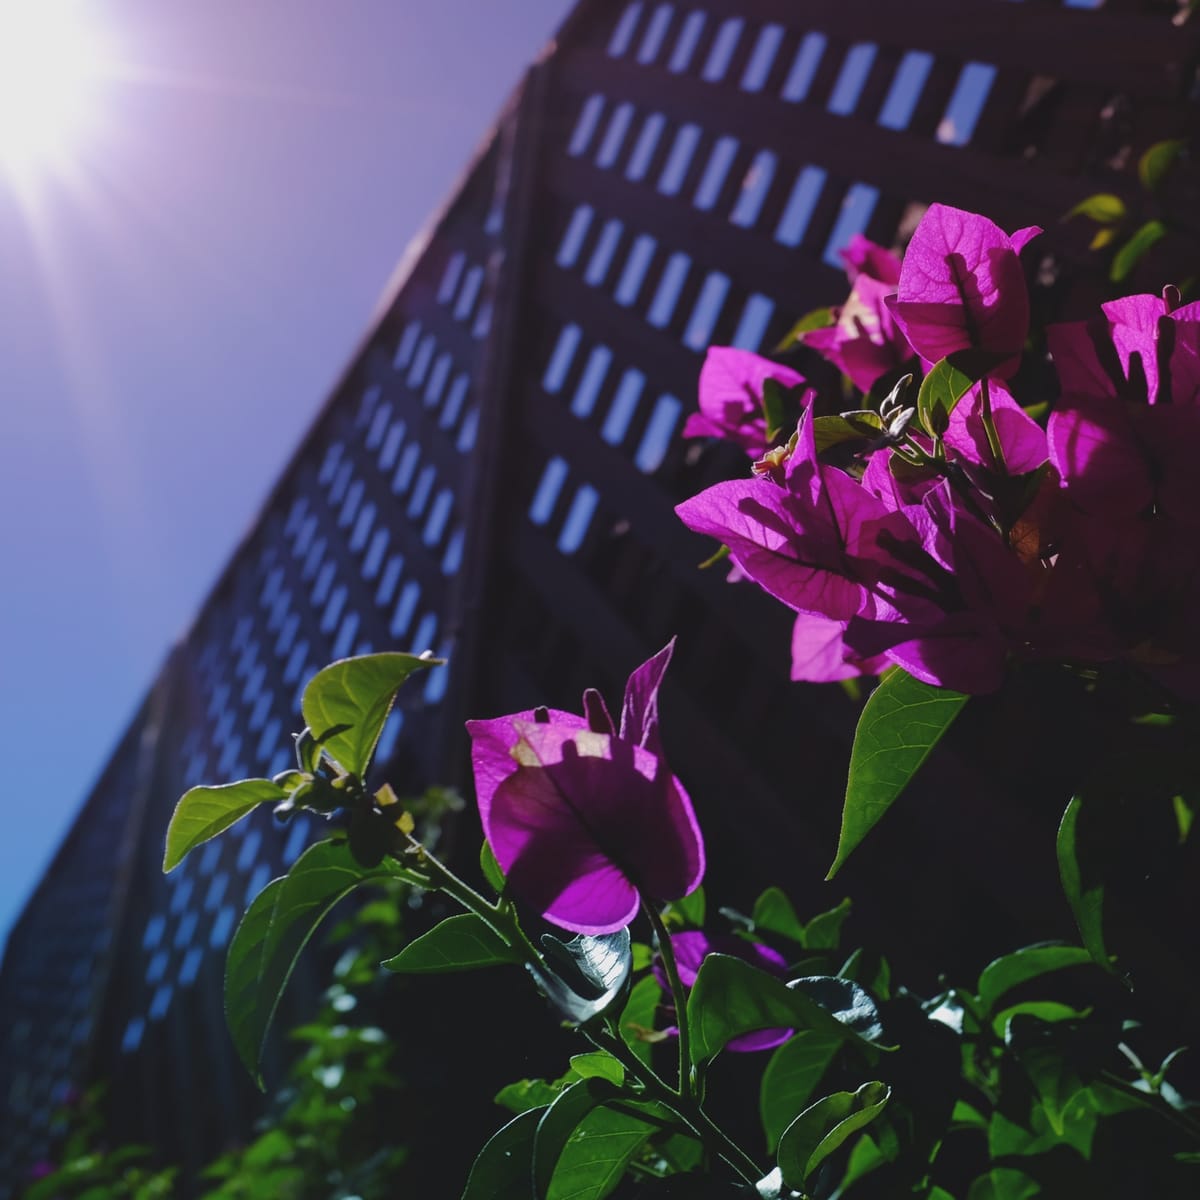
(494, 476)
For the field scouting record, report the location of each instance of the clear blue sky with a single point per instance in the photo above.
(177, 293)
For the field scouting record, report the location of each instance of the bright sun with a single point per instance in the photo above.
(49, 62)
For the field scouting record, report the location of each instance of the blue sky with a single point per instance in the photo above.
(179, 288)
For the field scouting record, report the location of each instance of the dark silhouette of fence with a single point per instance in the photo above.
(494, 476)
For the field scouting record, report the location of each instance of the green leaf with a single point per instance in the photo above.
(1135, 249)
(1083, 888)
(356, 693)
(940, 391)
(819, 318)
(594, 1159)
(459, 943)
(730, 997)
(774, 397)
(774, 913)
(1012, 970)
(1104, 208)
(1158, 160)
(691, 909)
(791, 1077)
(276, 927)
(900, 724)
(1004, 1183)
(1049, 1011)
(491, 869)
(560, 1121)
(818, 1131)
(203, 812)
(504, 1166)
(847, 427)
(824, 931)
(598, 1064)
(584, 976)
(637, 1018)
(525, 1094)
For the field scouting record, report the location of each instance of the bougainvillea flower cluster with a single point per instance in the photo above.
(943, 529)
(585, 818)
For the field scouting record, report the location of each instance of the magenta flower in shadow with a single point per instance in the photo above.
(584, 820)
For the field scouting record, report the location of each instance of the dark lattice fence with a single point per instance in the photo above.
(495, 474)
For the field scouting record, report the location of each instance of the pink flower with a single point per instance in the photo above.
(962, 288)
(585, 821)
(731, 407)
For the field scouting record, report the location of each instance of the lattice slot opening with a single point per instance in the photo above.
(721, 54)
(578, 519)
(907, 85)
(686, 43)
(858, 205)
(802, 203)
(803, 72)
(957, 125)
(586, 125)
(754, 322)
(615, 134)
(762, 58)
(591, 379)
(655, 34)
(626, 27)
(649, 141)
(574, 235)
(659, 434)
(716, 171)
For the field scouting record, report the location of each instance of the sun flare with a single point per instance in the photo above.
(49, 63)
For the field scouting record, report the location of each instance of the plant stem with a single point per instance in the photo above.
(678, 995)
(1152, 1101)
(686, 1109)
(989, 426)
(498, 919)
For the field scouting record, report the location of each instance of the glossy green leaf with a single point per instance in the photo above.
(1158, 160)
(774, 913)
(560, 1121)
(637, 1018)
(819, 318)
(730, 997)
(356, 693)
(203, 812)
(584, 976)
(1004, 1183)
(276, 927)
(596, 1155)
(900, 724)
(505, 1165)
(1082, 886)
(846, 427)
(690, 909)
(598, 1064)
(1104, 208)
(818, 1131)
(940, 392)
(1012, 970)
(525, 1094)
(491, 869)
(1135, 249)
(1049, 1011)
(824, 931)
(791, 1078)
(459, 943)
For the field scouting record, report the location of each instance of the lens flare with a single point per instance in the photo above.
(49, 62)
